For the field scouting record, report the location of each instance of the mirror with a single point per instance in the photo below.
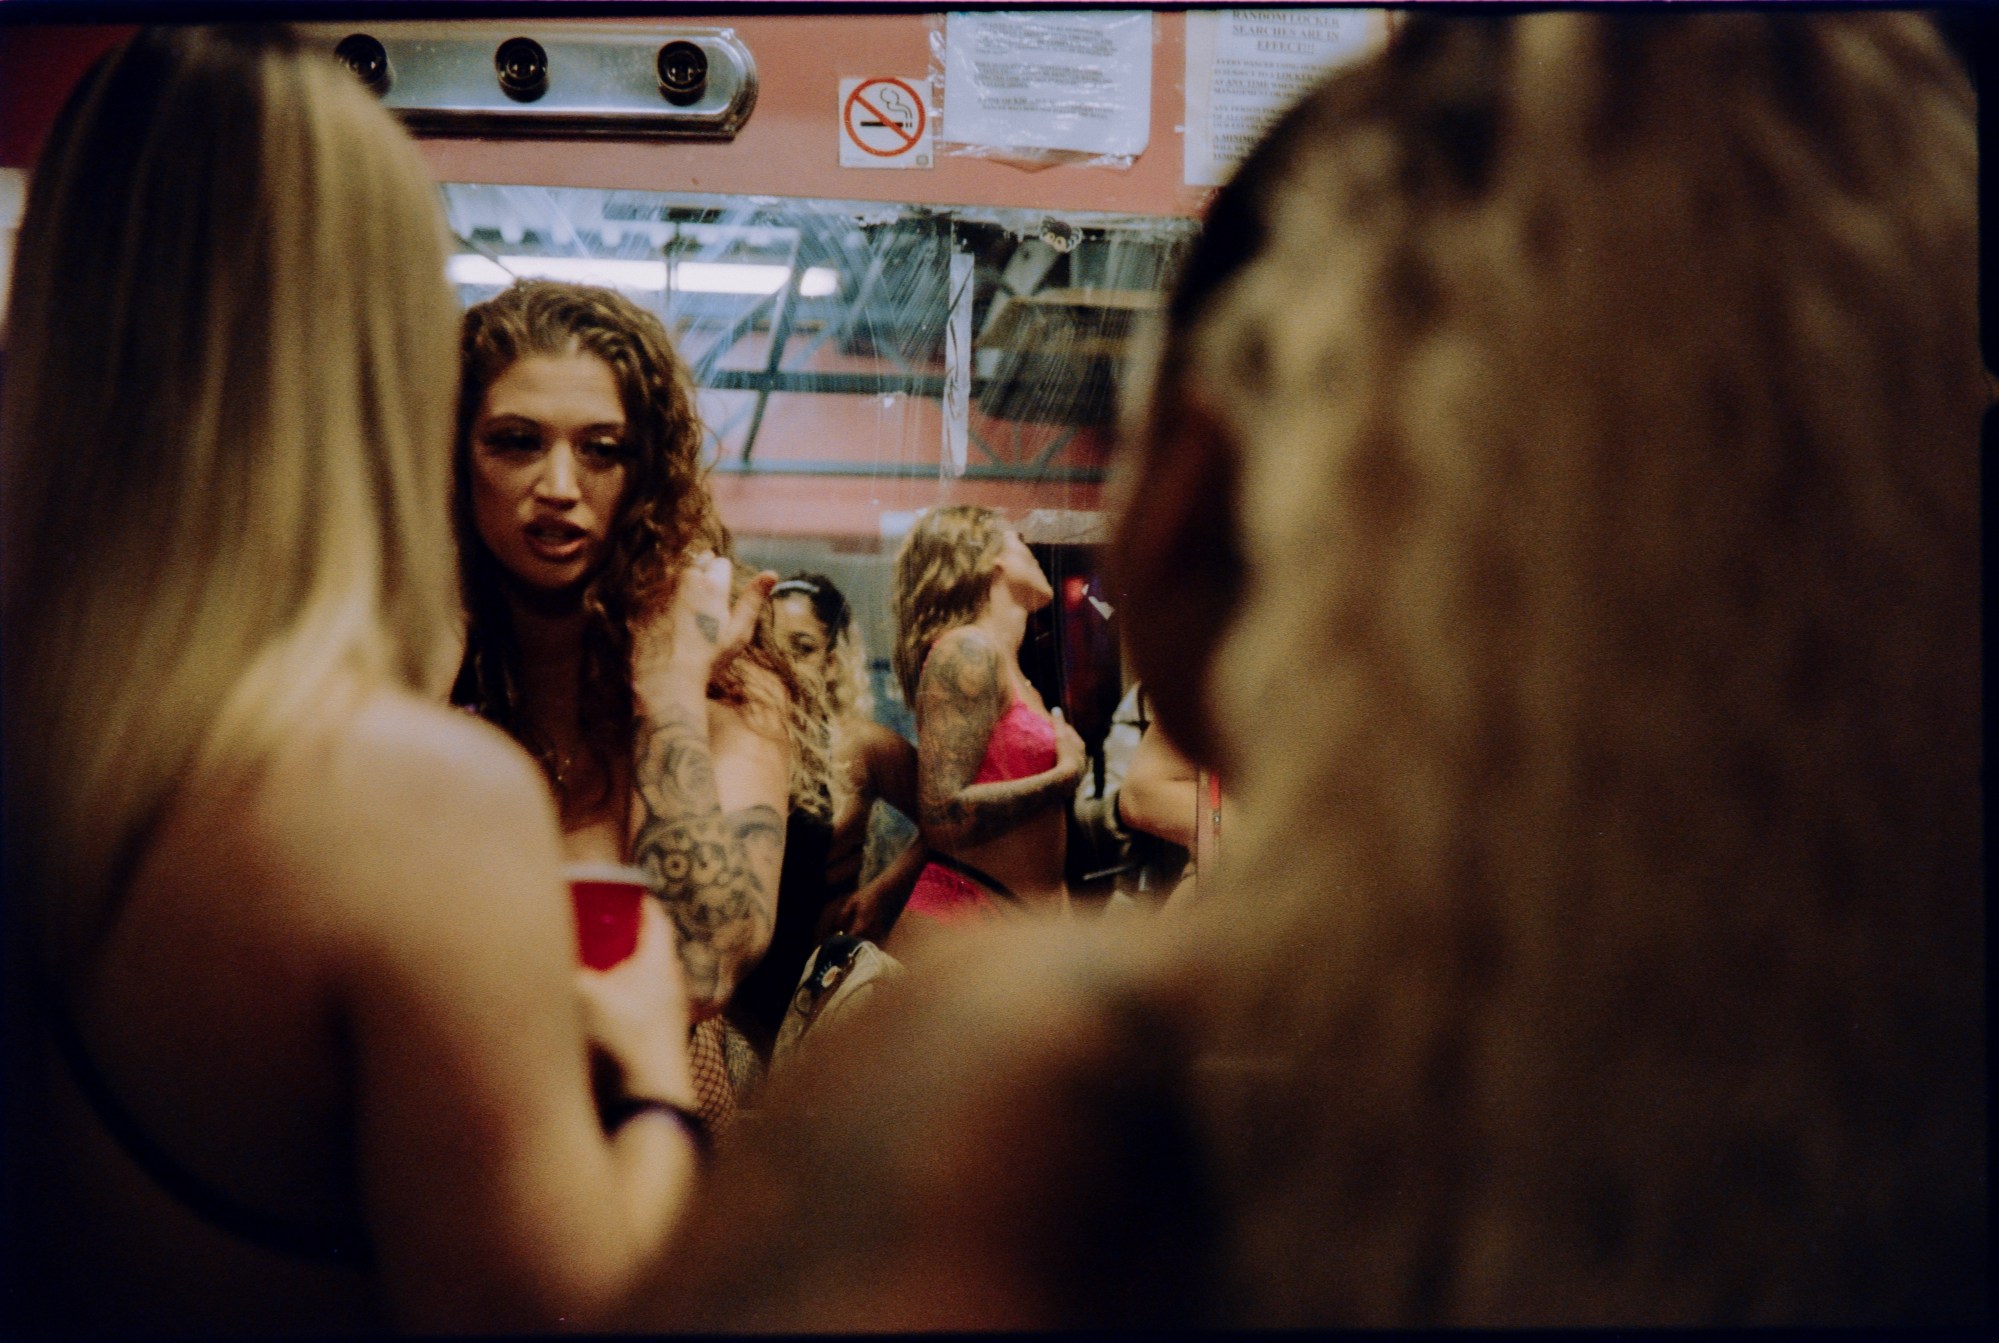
(859, 362)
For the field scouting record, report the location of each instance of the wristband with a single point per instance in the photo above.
(622, 1111)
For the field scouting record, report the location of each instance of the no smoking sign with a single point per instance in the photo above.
(885, 123)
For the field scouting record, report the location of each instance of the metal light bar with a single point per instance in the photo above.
(551, 79)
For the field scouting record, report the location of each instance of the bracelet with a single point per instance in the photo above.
(622, 1111)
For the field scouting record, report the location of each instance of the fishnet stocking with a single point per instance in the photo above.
(726, 1070)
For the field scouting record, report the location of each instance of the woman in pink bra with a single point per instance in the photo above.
(994, 771)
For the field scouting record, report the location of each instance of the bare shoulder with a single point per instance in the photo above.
(401, 756)
(965, 641)
(965, 661)
(401, 797)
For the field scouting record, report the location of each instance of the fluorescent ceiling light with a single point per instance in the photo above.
(690, 277)
(732, 277)
(819, 282)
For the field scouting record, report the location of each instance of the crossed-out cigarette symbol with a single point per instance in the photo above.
(886, 105)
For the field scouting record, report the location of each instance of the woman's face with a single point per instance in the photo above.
(549, 464)
(1017, 567)
(800, 633)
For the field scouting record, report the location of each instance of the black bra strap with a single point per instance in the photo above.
(345, 1245)
(978, 876)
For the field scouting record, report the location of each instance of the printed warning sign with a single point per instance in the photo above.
(885, 123)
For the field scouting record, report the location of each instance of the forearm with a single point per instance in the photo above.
(654, 1158)
(889, 891)
(984, 811)
(698, 856)
(1163, 807)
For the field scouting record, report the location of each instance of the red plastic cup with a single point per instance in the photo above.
(607, 899)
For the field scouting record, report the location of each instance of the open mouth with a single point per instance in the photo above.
(555, 540)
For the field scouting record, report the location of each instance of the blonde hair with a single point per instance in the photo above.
(804, 713)
(1593, 610)
(943, 574)
(226, 439)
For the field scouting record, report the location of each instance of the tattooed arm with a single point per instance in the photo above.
(715, 867)
(961, 694)
(711, 785)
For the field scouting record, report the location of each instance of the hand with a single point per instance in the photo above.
(743, 613)
(1070, 753)
(676, 651)
(840, 917)
(635, 1013)
(857, 915)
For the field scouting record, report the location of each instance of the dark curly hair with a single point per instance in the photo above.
(666, 512)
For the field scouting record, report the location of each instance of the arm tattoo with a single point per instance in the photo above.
(960, 698)
(711, 628)
(702, 861)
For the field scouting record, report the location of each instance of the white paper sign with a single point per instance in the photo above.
(1246, 66)
(1034, 79)
(885, 122)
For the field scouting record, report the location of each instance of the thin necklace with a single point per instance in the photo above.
(565, 761)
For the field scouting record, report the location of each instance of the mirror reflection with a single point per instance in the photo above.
(586, 757)
(904, 414)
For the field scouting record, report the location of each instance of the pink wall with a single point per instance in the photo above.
(789, 148)
(791, 145)
(851, 506)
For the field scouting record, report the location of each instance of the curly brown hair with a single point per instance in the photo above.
(665, 513)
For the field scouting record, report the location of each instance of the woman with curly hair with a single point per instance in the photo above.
(602, 633)
(995, 770)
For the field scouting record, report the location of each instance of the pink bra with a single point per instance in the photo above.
(950, 890)
(1022, 743)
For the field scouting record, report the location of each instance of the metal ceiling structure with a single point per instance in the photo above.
(776, 297)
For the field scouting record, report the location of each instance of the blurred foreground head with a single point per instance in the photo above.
(1556, 512)
(226, 437)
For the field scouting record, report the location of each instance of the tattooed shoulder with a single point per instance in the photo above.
(963, 667)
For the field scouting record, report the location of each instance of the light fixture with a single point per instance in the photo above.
(736, 277)
(689, 277)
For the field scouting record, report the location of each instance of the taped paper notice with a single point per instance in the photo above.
(1035, 80)
(1246, 66)
(885, 122)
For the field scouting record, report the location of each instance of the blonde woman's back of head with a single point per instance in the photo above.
(1564, 470)
(226, 440)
